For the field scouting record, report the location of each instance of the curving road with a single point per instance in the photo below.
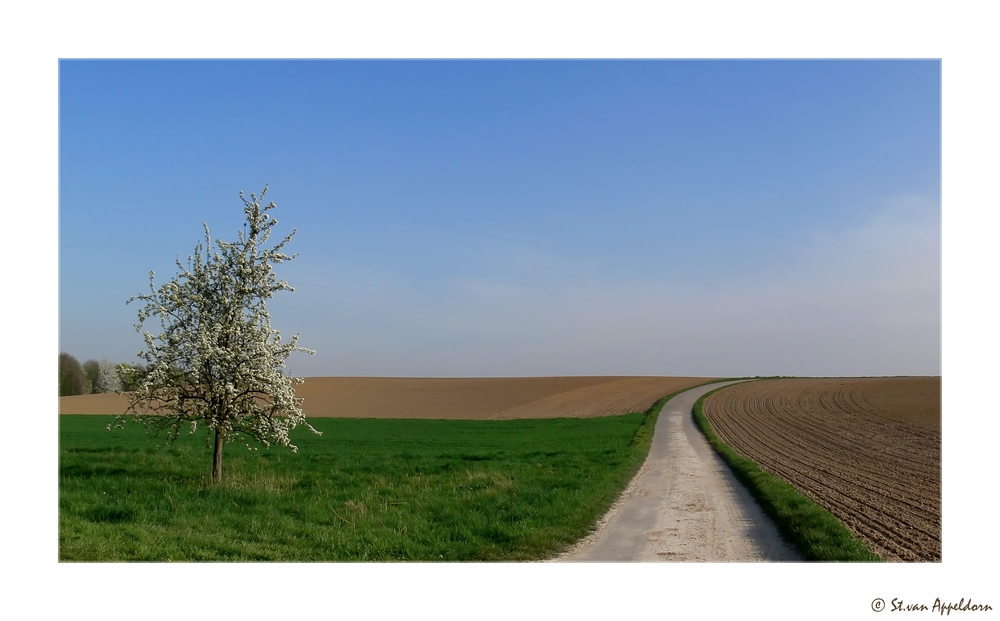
(684, 504)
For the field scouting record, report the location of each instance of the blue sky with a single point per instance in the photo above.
(479, 218)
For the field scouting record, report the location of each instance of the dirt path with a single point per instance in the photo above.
(683, 505)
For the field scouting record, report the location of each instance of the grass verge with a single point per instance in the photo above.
(817, 534)
(366, 490)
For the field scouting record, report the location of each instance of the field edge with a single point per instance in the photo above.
(813, 530)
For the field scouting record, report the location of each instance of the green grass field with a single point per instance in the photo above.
(366, 490)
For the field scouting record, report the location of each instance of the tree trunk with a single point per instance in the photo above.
(217, 459)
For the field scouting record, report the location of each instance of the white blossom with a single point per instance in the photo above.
(107, 377)
(216, 360)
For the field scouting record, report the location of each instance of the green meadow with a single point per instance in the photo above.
(366, 490)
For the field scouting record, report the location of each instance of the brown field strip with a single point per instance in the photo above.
(866, 449)
(470, 398)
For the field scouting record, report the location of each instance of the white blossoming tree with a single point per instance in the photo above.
(217, 362)
(108, 379)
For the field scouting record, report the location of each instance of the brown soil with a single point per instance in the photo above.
(868, 450)
(472, 398)
(108, 403)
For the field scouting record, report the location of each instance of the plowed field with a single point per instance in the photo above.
(868, 450)
(472, 398)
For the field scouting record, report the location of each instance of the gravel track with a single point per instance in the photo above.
(683, 505)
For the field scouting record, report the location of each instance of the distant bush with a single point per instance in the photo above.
(108, 379)
(93, 377)
(72, 378)
(91, 368)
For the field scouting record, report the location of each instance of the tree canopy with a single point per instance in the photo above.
(108, 378)
(217, 361)
(72, 378)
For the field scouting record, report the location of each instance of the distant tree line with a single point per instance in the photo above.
(93, 377)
